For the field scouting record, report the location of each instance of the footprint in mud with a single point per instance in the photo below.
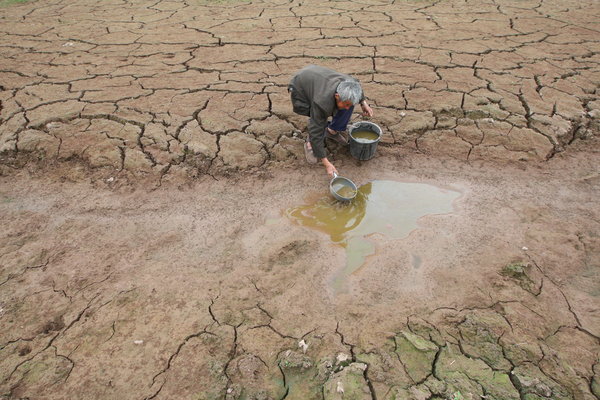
(23, 351)
(53, 326)
(289, 253)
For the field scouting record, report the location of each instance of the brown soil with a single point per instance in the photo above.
(148, 154)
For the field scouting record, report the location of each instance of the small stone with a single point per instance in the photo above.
(340, 387)
(303, 345)
(342, 357)
(110, 179)
(524, 248)
(361, 366)
(138, 341)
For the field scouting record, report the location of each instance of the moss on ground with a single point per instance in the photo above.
(348, 384)
(480, 333)
(416, 353)
(520, 272)
(6, 3)
(472, 377)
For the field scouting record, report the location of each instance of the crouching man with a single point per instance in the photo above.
(319, 93)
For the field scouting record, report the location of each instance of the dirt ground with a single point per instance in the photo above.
(149, 155)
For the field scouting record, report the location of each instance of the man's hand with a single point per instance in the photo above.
(328, 167)
(367, 110)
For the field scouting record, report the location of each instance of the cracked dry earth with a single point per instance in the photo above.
(148, 155)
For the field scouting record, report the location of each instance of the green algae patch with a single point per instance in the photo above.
(596, 387)
(416, 353)
(348, 384)
(35, 371)
(300, 376)
(519, 353)
(473, 377)
(532, 383)
(45, 370)
(480, 334)
(435, 386)
(6, 3)
(520, 272)
(515, 270)
(596, 381)
(418, 342)
(476, 114)
(414, 392)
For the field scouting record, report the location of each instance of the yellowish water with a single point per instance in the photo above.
(364, 136)
(346, 192)
(386, 207)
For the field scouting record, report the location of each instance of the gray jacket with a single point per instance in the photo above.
(312, 90)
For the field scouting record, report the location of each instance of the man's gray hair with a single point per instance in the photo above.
(349, 91)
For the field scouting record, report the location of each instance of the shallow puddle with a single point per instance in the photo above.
(386, 207)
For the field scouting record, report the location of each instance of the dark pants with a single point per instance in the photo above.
(340, 119)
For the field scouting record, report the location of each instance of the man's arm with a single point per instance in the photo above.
(367, 110)
(316, 131)
(316, 134)
(329, 167)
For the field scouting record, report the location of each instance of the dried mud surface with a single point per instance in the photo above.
(148, 153)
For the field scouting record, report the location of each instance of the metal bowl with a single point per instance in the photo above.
(343, 189)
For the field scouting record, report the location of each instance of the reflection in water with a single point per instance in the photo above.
(386, 207)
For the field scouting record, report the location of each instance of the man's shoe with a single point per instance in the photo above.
(308, 153)
(338, 137)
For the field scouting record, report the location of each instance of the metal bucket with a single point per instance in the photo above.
(343, 189)
(363, 149)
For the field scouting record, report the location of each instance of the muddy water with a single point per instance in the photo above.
(364, 136)
(344, 191)
(386, 207)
